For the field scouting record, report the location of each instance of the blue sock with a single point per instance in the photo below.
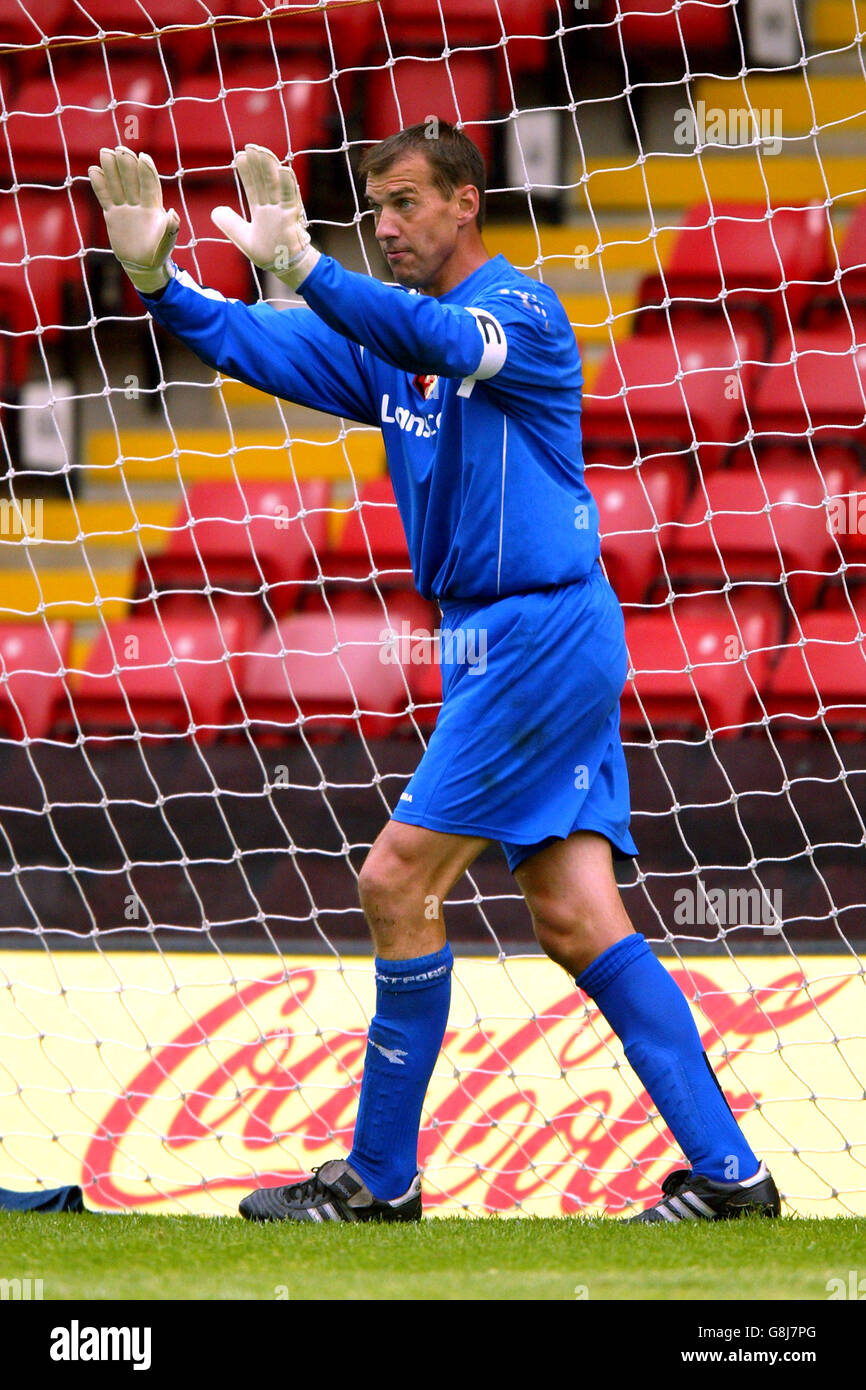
(412, 1002)
(648, 1012)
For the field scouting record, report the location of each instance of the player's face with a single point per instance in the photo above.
(417, 226)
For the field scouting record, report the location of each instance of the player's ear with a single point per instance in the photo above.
(468, 200)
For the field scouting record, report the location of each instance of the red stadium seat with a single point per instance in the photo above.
(852, 258)
(847, 522)
(32, 294)
(748, 603)
(170, 675)
(415, 88)
(33, 661)
(201, 248)
(43, 143)
(467, 22)
(744, 541)
(351, 29)
(126, 20)
(268, 555)
(747, 255)
(286, 111)
(704, 26)
(316, 687)
(659, 414)
(715, 693)
(27, 23)
(819, 400)
(24, 23)
(827, 673)
(634, 508)
(414, 621)
(414, 28)
(834, 303)
(373, 542)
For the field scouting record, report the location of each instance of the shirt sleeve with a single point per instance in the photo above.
(414, 332)
(289, 353)
(541, 350)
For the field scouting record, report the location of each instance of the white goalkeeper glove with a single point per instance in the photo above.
(141, 232)
(276, 236)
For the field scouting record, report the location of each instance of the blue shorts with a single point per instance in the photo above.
(527, 747)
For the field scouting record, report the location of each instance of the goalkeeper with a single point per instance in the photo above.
(472, 373)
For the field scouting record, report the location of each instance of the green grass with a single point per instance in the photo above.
(93, 1257)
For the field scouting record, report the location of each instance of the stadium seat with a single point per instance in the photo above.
(347, 27)
(744, 541)
(44, 144)
(408, 92)
(24, 26)
(32, 295)
(704, 26)
(372, 543)
(33, 660)
(201, 248)
(170, 675)
(126, 20)
(817, 402)
(414, 28)
(201, 132)
(659, 415)
(828, 671)
(833, 303)
(634, 507)
(413, 620)
(847, 523)
(317, 688)
(738, 249)
(715, 693)
(741, 607)
(268, 556)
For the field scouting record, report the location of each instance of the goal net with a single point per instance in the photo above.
(216, 677)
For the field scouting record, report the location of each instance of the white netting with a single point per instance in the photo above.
(203, 719)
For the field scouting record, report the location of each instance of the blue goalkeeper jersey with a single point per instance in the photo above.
(477, 393)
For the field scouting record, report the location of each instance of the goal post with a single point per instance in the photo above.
(216, 677)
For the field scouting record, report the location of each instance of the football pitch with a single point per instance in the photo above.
(93, 1257)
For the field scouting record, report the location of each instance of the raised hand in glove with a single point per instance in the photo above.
(142, 233)
(276, 236)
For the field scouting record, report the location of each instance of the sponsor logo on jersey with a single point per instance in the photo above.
(424, 426)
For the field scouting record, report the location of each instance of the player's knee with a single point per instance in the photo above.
(387, 885)
(561, 931)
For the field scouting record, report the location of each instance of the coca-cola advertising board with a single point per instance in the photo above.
(179, 1082)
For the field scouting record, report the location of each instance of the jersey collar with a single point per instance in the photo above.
(466, 291)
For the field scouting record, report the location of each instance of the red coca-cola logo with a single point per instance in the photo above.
(487, 1140)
